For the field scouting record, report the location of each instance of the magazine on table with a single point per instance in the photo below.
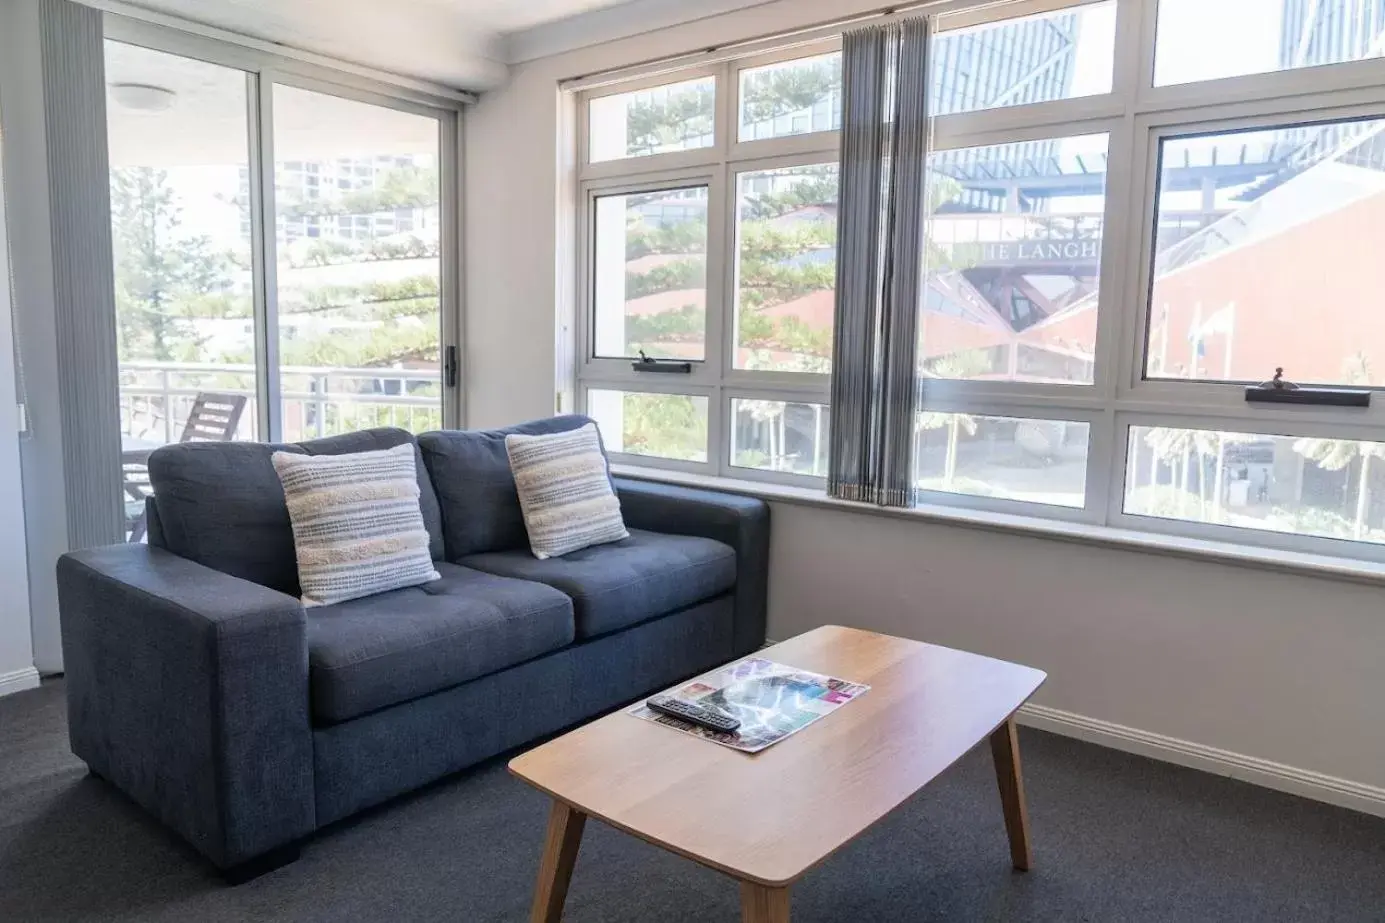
(771, 700)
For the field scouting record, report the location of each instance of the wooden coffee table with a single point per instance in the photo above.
(767, 819)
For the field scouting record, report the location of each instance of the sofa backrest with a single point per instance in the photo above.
(471, 472)
(221, 504)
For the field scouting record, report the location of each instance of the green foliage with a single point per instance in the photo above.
(766, 337)
(666, 425)
(677, 118)
(401, 187)
(672, 121)
(775, 266)
(817, 187)
(667, 277)
(165, 278)
(683, 237)
(781, 91)
(327, 252)
(169, 283)
(1336, 454)
(1167, 501)
(375, 347)
(751, 458)
(411, 297)
(685, 325)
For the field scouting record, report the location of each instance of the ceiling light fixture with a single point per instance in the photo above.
(142, 97)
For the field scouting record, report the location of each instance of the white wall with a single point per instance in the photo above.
(16, 645)
(45, 499)
(1272, 666)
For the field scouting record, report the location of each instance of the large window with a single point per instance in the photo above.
(184, 292)
(708, 282)
(282, 298)
(1136, 210)
(651, 274)
(359, 277)
(1269, 35)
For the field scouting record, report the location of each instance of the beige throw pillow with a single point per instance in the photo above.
(357, 526)
(564, 491)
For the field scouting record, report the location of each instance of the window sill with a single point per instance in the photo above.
(1313, 565)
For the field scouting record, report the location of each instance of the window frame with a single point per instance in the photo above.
(1136, 116)
(718, 167)
(263, 70)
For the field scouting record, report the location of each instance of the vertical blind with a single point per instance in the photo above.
(884, 150)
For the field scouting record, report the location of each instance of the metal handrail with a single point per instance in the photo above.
(160, 402)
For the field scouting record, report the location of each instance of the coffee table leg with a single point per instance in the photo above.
(560, 844)
(760, 904)
(1005, 748)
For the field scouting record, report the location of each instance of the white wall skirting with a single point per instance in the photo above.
(18, 680)
(1315, 785)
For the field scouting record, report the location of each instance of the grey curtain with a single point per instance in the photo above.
(72, 43)
(884, 149)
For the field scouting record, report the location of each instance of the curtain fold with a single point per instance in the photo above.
(853, 437)
(881, 210)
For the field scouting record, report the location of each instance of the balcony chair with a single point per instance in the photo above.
(213, 418)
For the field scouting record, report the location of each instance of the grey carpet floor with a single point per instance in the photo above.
(1116, 837)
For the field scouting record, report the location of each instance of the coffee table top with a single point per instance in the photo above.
(770, 817)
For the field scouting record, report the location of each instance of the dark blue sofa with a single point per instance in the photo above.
(199, 686)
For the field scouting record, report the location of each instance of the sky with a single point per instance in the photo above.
(1208, 39)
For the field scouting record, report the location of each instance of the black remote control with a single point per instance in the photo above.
(710, 718)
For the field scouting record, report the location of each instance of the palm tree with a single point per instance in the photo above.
(1339, 454)
(770, 415)
(1174, 446)
(967, 364)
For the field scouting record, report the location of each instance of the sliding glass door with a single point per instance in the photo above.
(357, 222)
(180, 225)
(279, 257)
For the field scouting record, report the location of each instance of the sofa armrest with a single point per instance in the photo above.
(187, 689)
(741, 522)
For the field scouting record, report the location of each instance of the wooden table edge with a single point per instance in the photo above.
(741, 875)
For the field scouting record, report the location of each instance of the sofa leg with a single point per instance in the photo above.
(261, 865)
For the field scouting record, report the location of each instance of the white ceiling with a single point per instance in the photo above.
(458, 43)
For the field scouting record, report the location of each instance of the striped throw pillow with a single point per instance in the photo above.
(357, 527)
(564, 491)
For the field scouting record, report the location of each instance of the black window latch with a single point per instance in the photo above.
(667, 366)
(1279, 391)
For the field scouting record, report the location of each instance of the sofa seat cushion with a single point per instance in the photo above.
(381, 650)
(624, 583)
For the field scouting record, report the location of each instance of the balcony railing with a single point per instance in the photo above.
(156, 398)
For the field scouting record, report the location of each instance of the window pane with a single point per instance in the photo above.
(1269, 35)
(779, 436)
(180, 225)
(673, 117)
(1036, 59)
(791, 98)
(662, 425)
(786, 268)
(1262, 244)
(1037, 461)
(1013, 256)
(356, 199)
(1303, 486)
(651, 274)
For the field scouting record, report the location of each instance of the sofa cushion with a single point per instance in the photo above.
(221, 504)
(380, 650)
(626, 582)
(373, 440)
(471, 471)
(357, 528)
(565, 491)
